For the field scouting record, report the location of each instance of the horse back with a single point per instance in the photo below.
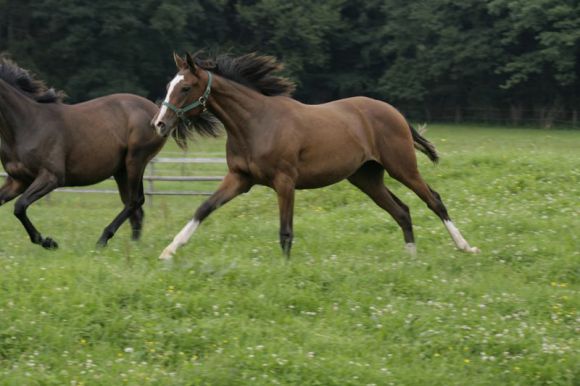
(103, 132)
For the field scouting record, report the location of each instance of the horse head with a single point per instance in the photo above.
(187, 95)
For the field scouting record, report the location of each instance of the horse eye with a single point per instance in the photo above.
(185, 89)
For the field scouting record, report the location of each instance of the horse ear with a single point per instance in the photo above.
(179, 62)
(191, 63)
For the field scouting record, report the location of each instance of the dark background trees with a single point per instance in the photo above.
(505, 61)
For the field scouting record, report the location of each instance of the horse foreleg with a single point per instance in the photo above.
(232, 186)
(284, 187)
(44, 183)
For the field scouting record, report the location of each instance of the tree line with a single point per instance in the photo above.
(508, 61)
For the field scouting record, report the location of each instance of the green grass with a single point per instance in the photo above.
(349, 308)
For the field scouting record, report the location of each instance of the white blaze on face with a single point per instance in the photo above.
(163, 110)
(181, 238)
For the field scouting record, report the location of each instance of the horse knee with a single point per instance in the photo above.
(20, 208)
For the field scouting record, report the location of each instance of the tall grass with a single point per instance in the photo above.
(349, 308)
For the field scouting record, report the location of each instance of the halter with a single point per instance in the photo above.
(201, 101)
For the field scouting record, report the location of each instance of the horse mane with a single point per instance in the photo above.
(204, 124)
(255, 71)
(24, 81)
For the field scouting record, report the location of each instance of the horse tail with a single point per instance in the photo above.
(423, 145)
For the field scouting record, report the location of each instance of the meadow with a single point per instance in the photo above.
(349, 308)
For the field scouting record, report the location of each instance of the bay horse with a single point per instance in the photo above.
(46, 144)
(276, 141)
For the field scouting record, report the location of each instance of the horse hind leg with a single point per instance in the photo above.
(130, 184)
(135, 218)
(369, 179)
(433, 200)
(455, 234)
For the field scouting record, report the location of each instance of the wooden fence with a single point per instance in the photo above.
(151, 177)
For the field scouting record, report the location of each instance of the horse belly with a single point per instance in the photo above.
(328, 171)
(89, 171)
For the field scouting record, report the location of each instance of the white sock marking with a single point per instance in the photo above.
(412, 249)
(163, 110)
(181, 238)
(460, 242)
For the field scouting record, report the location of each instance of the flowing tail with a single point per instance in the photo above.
(423, 145)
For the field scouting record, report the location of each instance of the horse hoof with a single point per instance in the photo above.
(472, 250)
(166, 255)
(49, 243)
(101, 243)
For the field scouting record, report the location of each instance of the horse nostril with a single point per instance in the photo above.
(160, 125)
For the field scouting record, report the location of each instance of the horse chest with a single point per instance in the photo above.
(250, 167)
(261, 175)
(255, 170)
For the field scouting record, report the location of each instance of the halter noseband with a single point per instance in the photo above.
(201, 101)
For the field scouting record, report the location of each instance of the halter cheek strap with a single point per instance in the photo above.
(201, 101)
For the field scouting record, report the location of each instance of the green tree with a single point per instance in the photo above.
(295, 31)
(441, 54)
(434, 59)
(541, 41)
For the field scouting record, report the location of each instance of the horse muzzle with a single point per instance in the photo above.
(161, 128)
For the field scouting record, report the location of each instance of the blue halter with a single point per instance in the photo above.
(201, 101)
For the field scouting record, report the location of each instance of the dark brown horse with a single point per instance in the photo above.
(47, 144)
(276, 141)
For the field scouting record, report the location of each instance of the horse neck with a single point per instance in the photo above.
(236, 106)
(14, 111)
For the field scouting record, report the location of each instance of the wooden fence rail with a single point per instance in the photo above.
(150, 177)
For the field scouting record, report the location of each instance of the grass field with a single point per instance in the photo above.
(349, 308)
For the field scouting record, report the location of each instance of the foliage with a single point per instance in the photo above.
(436, 59)
(349, 308)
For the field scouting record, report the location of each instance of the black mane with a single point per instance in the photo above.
(204, 124)
(252, 70)
(22, 80)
